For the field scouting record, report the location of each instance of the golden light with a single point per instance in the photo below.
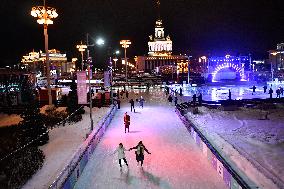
(81, 47)
(274, 53)
(203, 57)
(44, 14)
(125, 43)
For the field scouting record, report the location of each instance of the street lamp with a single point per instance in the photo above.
(125, 44)
(81, 49)
(115, 60)
(45, 15)
(99, 42)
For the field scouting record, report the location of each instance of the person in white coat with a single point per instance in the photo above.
(120, 150)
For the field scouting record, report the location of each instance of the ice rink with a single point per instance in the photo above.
(175, 162)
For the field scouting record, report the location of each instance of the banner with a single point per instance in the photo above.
(106, 78)
(81, 87)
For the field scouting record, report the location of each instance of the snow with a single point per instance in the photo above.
(7, 120)
(175, 160)
(63, 143)
(254, 145)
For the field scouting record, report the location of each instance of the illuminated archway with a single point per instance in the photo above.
(227, 65)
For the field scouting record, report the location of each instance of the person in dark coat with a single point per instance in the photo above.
(132, 104)
(270, 93)
(140, 148)
(264, 88)
(180, 91)
(170, 99)
(253, 88)
(278, 93)
(200, 98)
(126, 93)
(176, 100)
(118, 103)
(194, 99)
(281, 90)
(230, 95)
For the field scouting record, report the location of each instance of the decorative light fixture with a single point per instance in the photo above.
(45, 15)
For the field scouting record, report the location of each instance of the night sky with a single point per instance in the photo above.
(197, 27)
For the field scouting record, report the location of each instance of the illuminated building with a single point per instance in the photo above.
(276, 59)
(160, 54)
(34, 62)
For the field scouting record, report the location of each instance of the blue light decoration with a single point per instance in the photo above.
(240, 64)
(227, 65)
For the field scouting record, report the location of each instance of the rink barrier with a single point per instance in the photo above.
(73, 170)
(219, 164)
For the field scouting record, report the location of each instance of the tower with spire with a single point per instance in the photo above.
(160, 58)
(159, 45)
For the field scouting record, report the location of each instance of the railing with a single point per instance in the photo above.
(72, 171)
(222, 167)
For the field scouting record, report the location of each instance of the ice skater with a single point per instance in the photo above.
(132, 105)
(140, 148)
(141, 102)
(126, 119)
(120, 150)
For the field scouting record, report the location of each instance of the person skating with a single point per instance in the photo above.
(199, 99)
(126, 119)
(230, 95)
(253, 88)
(141, 102)
(194, 99)
(270, 93)
(264, 88)
(180, 91)
(176, 100)
(140, 148)
(120, 150)
(132, 105)
(170, 98)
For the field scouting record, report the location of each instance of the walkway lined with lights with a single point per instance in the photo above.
(175, 162)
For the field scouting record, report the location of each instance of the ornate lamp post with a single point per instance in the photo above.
(115, 60)
(45, 15)
(125, 44)
(81, 48)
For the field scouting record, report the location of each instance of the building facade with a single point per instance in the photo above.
(35, 62)
(276, 60)
(160, 56)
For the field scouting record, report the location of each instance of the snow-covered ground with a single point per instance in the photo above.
(252, 145)
(175, 162)
(63, 143)
(7, 120)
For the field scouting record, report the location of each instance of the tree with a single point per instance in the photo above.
(32, 125)
(72, 104)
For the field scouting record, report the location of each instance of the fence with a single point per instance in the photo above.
(72, 171)
(223, 169)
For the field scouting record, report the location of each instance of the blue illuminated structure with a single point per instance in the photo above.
(241, 65)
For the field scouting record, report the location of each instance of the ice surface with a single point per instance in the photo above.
(175, 162)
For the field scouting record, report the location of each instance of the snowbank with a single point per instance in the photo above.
(63, 143)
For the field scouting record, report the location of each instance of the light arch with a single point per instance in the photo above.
(227, 65)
